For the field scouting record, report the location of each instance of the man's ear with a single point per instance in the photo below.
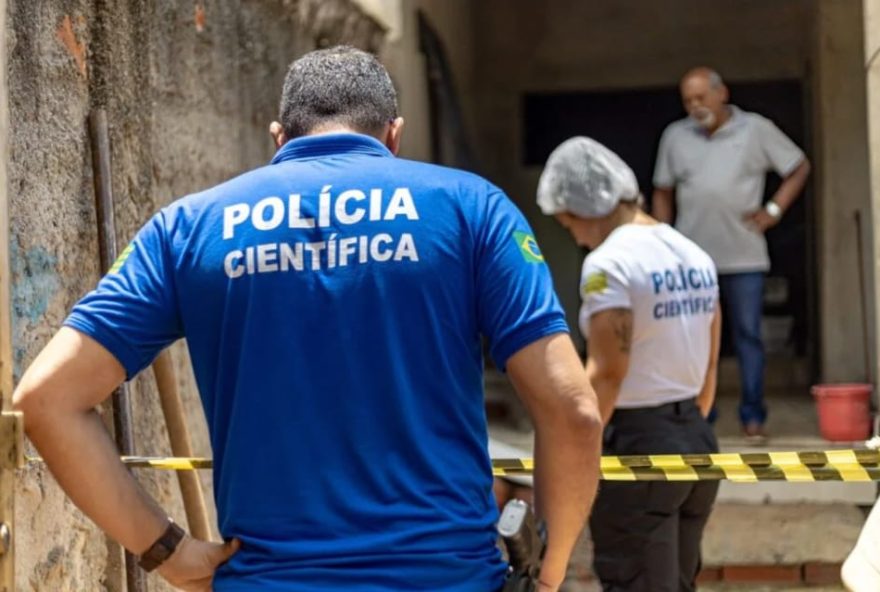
(278, 136)
(392, 138)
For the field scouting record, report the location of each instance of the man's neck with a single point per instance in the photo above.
(325, 130)
(725, 116)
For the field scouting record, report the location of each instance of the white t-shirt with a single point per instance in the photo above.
(671, 286)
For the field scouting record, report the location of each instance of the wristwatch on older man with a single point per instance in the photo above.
(772, 208)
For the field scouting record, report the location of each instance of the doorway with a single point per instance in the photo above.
(630, 122)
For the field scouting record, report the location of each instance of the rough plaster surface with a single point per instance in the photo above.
(190, 88)
(780, 534)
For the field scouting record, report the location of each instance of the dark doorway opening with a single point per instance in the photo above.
(631, 121)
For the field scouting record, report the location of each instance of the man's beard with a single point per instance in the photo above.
(704, 117)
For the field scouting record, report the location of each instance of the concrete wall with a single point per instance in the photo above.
(454, 23)
(189, 88)
(842, 189)
(872, 69)
(561, 45)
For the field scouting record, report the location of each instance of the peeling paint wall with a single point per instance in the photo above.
(190, 88)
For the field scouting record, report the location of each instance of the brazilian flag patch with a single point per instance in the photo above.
(596, 283)
(117, 265)
(528, 246)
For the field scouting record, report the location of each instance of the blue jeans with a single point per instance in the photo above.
(742, 297)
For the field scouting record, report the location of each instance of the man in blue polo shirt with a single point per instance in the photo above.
(333, 303)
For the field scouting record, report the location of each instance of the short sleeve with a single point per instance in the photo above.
(133, 311)
(604, 285)
(663, 174)
(515, 298)
(781, 154)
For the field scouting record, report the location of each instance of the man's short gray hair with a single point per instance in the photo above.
(714, 78)
(340, 85)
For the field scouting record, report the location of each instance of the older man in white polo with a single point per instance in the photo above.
(712, 165)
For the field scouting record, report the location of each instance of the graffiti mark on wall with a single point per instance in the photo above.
(76, 48)
(34, 284)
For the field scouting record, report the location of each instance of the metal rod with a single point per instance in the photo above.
(163, 368)
(121, 398)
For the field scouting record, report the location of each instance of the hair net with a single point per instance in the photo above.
(586, 179)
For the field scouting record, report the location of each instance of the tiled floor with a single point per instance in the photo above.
(791, 414)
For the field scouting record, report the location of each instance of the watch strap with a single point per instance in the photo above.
(162, 549)
(772, 208)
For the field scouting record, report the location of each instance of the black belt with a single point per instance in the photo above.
(673, 408)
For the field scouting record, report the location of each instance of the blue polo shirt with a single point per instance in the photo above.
(333, 303)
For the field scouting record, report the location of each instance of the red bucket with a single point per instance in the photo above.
(844, 411)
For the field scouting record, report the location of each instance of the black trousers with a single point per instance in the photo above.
(647, 534)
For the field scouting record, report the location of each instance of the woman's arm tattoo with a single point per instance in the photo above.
(621, 321)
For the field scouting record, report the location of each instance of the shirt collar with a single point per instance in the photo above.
(327, 144)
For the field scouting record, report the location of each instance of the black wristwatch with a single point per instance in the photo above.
(162, 548)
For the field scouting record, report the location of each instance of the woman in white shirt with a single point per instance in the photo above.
(651, 319)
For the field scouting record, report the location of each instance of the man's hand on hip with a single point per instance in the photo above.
(192, 565)
(760, 221)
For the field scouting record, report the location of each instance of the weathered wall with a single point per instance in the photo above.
(843, 188)
(872, 68)
(453, 21)
(562, 45)
(190, 88)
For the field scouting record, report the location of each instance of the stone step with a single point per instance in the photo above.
(780, 534)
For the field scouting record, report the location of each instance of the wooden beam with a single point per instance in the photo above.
(11, 450)
(11, 458)
(5, 280)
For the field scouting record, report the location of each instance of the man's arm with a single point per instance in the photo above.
(663, 204)
(789, 190)
(608, 359)
(707, 394)
(792, 185)
(57, 395)
(551, 382)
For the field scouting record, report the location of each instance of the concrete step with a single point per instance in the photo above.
(780, 534)
(793, 533)
(727, 587)
(770, 492)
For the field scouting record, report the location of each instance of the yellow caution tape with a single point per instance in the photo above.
(169, 463)
(832, 465)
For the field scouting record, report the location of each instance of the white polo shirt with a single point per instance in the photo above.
(671, 287)
(718, 179)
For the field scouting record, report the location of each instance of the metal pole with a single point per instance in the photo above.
(121, 398)
(163, 367)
